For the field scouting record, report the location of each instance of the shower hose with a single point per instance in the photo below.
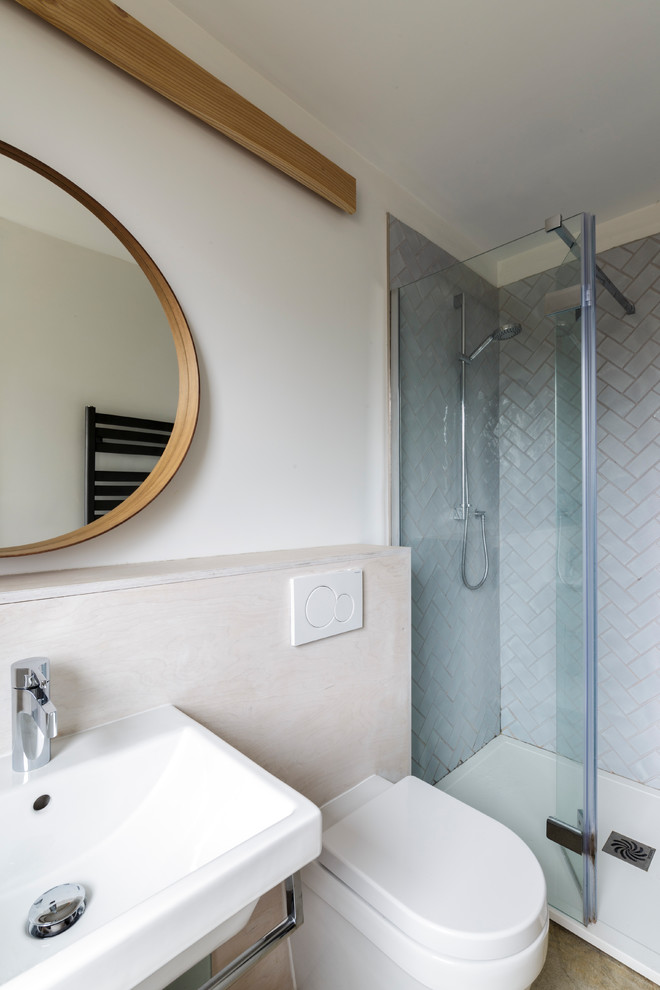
(478, 514)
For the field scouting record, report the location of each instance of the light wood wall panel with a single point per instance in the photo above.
(321, 716)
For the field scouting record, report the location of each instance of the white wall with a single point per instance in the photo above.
(286, 296)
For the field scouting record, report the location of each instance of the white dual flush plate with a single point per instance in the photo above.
(325, 605)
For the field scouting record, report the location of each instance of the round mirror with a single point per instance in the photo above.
(99, 386)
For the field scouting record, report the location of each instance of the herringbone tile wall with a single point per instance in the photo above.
(411, 255)
(527, 516)
(540, 564)
(629, 514)
(628, 349)
(465, 642)
(456, 703)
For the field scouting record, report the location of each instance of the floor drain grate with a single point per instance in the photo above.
(629, 850)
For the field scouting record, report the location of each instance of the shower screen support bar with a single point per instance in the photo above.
(555, 225)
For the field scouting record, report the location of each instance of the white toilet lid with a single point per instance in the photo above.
(451, 878)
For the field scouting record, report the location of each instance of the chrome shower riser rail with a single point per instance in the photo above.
(395, 421)
(459, 303)
(463, 511)
(247, 959)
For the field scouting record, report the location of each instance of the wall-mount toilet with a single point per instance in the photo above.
(416, 890)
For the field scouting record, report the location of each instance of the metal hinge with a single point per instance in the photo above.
(565, 835)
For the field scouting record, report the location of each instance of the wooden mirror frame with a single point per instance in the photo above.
(188, 402)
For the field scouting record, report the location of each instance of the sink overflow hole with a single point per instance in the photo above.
(42, 802)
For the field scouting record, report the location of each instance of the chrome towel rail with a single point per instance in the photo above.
(240, 965)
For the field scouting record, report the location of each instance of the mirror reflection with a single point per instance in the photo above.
(81, 326)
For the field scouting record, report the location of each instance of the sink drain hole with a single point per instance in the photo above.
(56, 910)
(42, 802)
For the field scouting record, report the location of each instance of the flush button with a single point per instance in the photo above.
(344, 608)
(320, 607)
(325, 605)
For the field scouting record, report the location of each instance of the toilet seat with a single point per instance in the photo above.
(454, 881)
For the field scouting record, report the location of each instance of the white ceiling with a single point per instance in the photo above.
(495, 113)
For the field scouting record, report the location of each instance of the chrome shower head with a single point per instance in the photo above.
(505, 332)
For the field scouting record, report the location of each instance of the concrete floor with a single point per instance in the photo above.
(573, 964)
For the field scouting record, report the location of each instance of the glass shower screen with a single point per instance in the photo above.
(493, 404)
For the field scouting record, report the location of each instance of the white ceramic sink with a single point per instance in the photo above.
(172, 832)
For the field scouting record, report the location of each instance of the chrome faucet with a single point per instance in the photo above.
(33, 715)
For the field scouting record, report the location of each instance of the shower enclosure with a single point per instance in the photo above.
(494, 391)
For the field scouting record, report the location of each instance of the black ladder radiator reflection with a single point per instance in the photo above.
(107, 433)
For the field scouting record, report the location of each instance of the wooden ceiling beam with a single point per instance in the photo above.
(116, 36)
